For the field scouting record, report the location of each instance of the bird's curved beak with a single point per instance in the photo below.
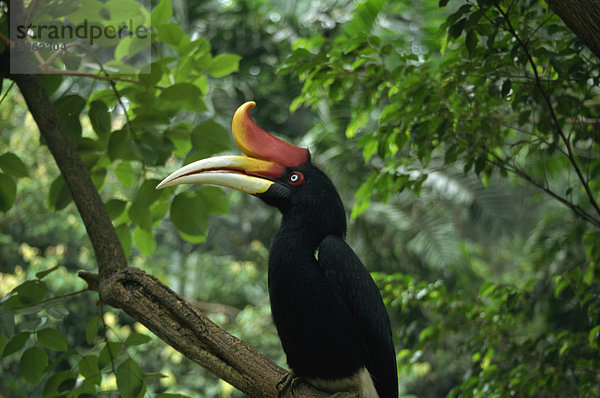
(254, 174)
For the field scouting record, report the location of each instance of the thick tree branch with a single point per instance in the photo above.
(190, 331)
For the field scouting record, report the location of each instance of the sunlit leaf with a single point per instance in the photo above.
(125, 173)
(161, 13)
(144, 240)
(223, 65)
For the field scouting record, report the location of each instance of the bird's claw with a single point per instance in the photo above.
(288, 380)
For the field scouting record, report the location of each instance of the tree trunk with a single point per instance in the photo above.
(583, 18)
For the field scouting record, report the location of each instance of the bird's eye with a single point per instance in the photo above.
(296, 178)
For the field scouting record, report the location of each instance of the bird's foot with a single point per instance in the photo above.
(289, 380)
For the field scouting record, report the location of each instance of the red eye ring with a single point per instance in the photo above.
(296, 179)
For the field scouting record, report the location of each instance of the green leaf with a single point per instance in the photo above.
(59, 383)
(560, 284)
(370, 149)
(137, 339)
(363, 20)
(183, 96)
(214, 199)
(209, 137)
(68, 109)
(506, 87)
(172, 34)
(7, 321)
(139, 211)
(594, 336)
(125, 173)
(100, 118)
(129, 46)
(115, 208)
(162, 13)
(43, 274)
(59, 195)
(32, 364)
(107, 96)
(486, 289)
(119, 146)
(130, 379)
(104, 358)
(52, 339)
(144, 240)
(150, 75)
(471, 41)
(456, 30)
(189, 214)
(3, 342)
(223, 65)
(12, 165)
(88, 366)
(124, 234)
(179, 135)
(91, 329)
(8, 192)
(147, 194)
(17, 342)
(31, 292)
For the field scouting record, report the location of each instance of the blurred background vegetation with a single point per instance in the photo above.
(426, 115)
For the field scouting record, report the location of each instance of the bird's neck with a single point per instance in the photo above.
(307, 227)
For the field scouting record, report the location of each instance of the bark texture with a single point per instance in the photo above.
(583, 18)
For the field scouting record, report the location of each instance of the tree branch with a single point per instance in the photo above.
(190, 332)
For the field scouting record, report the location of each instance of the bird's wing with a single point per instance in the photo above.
(351, 281)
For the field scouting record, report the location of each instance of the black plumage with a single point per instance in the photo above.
(327, 309)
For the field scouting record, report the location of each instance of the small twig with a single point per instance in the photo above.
(62, 296)
(91, 279)
(7, 91)
(108, 348)
(102, 69)
(54, 71)
(514, 169)
(30, 12)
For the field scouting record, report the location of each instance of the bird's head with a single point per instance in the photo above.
(279, 173)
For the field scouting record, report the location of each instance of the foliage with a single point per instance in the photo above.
(509, 92)
(125, 135)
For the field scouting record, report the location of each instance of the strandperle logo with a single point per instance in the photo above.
(83, 36)
(85, 31)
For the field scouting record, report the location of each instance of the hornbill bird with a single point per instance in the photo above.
(327, 310)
